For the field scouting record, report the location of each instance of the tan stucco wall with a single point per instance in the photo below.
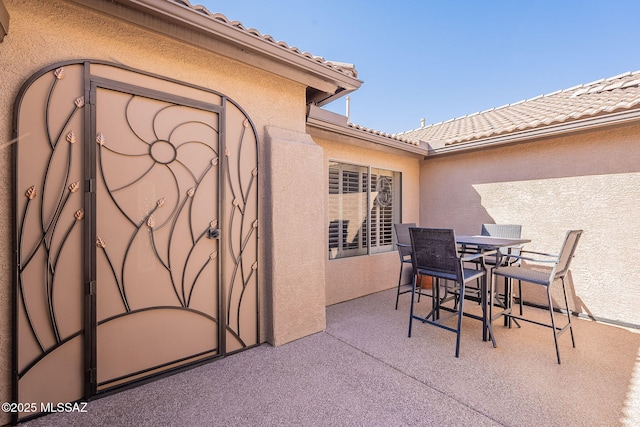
(353, 277)
(588, 181)
(50, 31)
(47, 31)
(294, 235)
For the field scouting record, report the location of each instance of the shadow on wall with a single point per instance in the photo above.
(601, 205)
(587, 181)
(536, 295)
(575, 302)
(453, 204)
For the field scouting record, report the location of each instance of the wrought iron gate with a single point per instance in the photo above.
(136, 215)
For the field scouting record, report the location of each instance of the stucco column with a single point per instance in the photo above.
(293, 235)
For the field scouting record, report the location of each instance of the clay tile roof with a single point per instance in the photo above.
(347, 69)
(404, 140)
(598, 98)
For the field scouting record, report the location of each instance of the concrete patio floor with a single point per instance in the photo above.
(364, 371)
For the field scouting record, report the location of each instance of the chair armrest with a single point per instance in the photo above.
(540, 253)
(510, 253)
(552, 258)
(405, 252)
(471, 257)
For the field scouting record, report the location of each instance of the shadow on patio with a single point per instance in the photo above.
(365, 371)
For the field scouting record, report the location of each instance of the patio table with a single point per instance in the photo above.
(484, 244)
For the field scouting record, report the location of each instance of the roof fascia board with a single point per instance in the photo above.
(322, 76)
(591, 123)
(4, 21)
(334, 128)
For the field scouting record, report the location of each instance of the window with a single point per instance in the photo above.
(364, 203)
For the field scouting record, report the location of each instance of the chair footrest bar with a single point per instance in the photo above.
(563, 329)
(546, 325)
(453, 310)
(507, 313)
(436, 323)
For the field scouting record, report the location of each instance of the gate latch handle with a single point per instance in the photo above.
(214, 233)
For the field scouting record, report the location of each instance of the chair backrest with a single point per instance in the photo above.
(402, 237)
(435, 250)
(402, 232)
(513, 231)
(509, 231)
(566, 253)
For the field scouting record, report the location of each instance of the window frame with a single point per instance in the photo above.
(373, 209)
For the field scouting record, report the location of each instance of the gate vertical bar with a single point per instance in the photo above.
(89, 238)
(16, 267)
(222, 294)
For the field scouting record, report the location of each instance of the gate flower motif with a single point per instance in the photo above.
(158, 154)
(152, 153)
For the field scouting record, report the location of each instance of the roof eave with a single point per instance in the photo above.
(582, 125)
(310, 72)
(320, 98)
(320, 120)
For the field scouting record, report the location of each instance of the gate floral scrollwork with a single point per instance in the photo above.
(161, 160)
(149, 222)
(48, 218)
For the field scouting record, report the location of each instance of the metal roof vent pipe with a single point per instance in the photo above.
(423, 122)
(348, 103)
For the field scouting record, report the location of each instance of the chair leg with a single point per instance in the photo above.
(455, 298)
(460, 315)
(413, 293)
(489, 305)
(508, 300)
(553, 323)
(487, 313)
(520, 300)
(399, 285)
(439, 298)
(435, 301)
(566, 304)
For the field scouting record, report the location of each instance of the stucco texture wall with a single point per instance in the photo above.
(589, 181)
(294, 235)
(45, 32)
(353, 277)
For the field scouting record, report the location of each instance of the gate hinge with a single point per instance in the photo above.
(89, 186)
(92, 375)
(92, 288)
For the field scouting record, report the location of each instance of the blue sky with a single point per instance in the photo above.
(441, 59)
